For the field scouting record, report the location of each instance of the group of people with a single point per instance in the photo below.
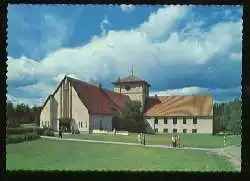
(176, 141)
(141, 138)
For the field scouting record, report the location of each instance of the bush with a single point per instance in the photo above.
(15, 138)
(12, 124)
(48, 132)
(31, 136)
(75, 131)
(11, 131)
(40, 131)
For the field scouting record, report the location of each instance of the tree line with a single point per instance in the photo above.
(21, 114)
(131, 118)
(229, 116)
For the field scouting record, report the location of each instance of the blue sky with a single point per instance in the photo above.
(180, 50)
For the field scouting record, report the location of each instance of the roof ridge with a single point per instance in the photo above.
(81, 81)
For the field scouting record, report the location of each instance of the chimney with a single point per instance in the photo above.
(99, 85)
(156, 96)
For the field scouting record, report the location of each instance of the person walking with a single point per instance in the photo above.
(144, 139)
(139, 138)
(178, 141)
(60, 132)
(173, 141)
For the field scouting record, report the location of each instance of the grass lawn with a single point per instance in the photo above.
(68, 155)
(189, 140)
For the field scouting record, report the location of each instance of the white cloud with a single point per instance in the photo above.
(104, 23)
(197, 91)
(127, 8)
(30, 102)
(111, 54)
(194, 91)
(55, 32)
(161, 22)
(236, 56)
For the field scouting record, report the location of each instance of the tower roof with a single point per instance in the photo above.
(130, 79)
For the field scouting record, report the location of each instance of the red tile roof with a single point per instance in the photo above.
(96, 99)
(179, 106)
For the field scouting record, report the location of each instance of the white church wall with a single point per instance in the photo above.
(204, 125)
(95, 122)
(45, 115)
(80, 113)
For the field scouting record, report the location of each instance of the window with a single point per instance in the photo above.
(165, 130)
(175, 120)
(165, 120)
(81, 124)
(174, 130)
(156, 120)
(156, 130)
(194, 120)
(194, 130)
(184, 121)
(184, 130)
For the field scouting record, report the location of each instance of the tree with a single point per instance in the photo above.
(21, 113)
(229, 116)
(130, 118)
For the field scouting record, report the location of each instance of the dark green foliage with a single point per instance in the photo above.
(75, 131)
(229, 116)
(11, 123)
(21, 114)
(15, 138)
(48, 132)
(130, 119)
(40, 131)
(18, 131)
(31, 136)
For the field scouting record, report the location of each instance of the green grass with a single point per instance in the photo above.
(189, 140)
(68, 155)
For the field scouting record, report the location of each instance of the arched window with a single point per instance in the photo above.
(81, 124)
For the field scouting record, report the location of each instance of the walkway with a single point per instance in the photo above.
(232, 152)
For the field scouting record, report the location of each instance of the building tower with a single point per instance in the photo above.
(134, 87)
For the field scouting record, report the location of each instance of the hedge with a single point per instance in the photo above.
(48, 132)
(15, 138)
(21, 138)
(31, 136)
(11, 131)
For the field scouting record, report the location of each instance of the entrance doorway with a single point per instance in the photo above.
(65, 125)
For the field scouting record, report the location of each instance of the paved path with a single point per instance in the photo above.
(232, 152)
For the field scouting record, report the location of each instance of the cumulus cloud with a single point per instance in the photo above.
(104, 23)
(110, 55)
(53, 30)
(223, 94)
(20, 100)
(127, 8)
(236, 56)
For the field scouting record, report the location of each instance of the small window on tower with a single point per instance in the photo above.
(127, 87)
